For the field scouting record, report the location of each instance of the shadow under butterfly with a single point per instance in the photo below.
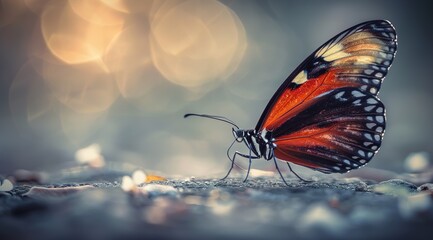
(326, 115)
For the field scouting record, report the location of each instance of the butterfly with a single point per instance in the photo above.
(326, 115)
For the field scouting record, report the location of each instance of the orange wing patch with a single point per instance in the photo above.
(291, 101)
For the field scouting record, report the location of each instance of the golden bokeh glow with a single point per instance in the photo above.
(75, 39)
(128, 58)
(97, 12)
(191, 47)
(159, 55)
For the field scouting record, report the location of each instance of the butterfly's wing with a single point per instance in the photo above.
(334, 132)
(357, 57)
(326, 115)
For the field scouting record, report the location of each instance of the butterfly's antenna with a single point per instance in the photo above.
(219, 118)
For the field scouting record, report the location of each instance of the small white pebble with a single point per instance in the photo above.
(139, 177)
(6, 185)
(127, 184)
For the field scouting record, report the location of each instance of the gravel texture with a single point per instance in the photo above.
(212, 209)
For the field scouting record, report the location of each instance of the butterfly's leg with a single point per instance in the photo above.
(224, 178)
(278, 169)
(249, 166)
(291, 170)
(233, 162)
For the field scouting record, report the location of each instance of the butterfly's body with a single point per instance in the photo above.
(326, 115)
(261, 143)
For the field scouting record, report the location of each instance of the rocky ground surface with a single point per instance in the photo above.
(103, 208)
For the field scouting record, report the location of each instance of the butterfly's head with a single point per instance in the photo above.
(239, 134)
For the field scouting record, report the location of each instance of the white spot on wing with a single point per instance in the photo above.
(369, 108)
(385, 34)
(357, 102)
(379, 119)
(368, 136)
(377, 137)
(379, 75)
(300, 78)
(339, 95)
(356, 93)
(371, 101)
(368, 71)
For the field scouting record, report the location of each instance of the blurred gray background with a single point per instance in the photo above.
(121, 74)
